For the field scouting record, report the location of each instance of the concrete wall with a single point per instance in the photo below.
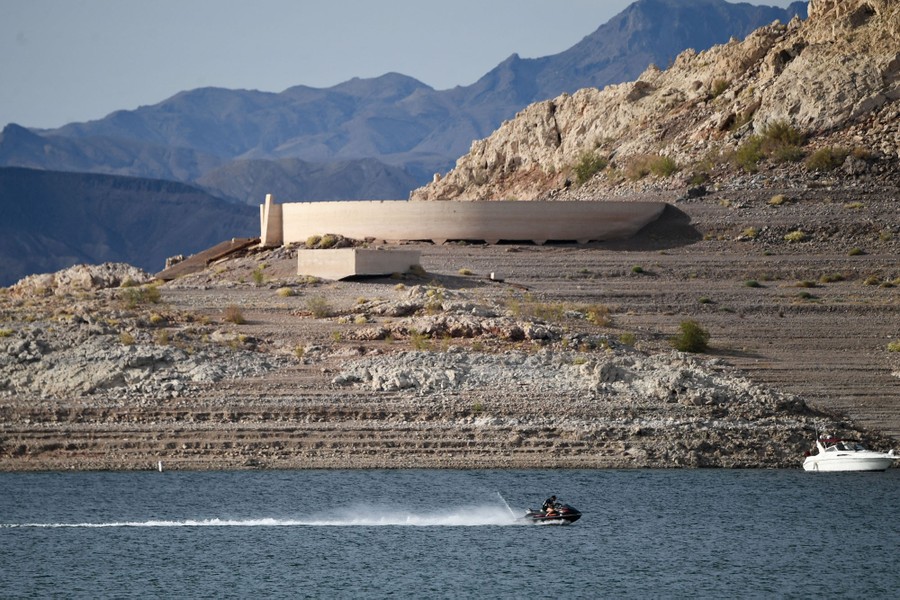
(346, 262)
(271, 223)
(491, 222)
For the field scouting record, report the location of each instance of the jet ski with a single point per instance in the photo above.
(562, 514)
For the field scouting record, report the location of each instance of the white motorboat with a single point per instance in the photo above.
(837, 454)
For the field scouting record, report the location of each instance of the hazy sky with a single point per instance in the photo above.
(77, 60)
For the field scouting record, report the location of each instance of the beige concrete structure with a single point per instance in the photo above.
(346, 262)
(491, 222)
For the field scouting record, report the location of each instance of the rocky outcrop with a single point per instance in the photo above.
(824, 77)
(81, 278)
(88, 357)
(99, 330)
(457, 372)
(623, 375)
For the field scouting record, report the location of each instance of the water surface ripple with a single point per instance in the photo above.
(448, 534)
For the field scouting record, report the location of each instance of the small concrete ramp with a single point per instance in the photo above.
(197, 262)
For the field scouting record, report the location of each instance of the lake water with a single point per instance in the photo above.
(449, 534)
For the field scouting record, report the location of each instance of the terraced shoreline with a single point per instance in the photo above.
(817, 342)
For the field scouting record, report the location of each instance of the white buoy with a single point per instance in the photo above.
(159, 465)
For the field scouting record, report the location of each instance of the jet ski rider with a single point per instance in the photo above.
(549, 505)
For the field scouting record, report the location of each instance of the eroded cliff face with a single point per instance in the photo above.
(831, 77)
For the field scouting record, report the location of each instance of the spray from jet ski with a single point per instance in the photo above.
(360, 516)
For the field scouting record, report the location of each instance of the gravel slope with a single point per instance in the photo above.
(783, 361)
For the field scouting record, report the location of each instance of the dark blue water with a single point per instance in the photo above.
(448, 534)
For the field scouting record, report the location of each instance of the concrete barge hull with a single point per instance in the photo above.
(492, 222)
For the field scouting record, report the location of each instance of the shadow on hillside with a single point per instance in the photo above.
(671, 230)
(450, 282)
(733, 353)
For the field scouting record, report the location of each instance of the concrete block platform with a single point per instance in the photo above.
(347, 262)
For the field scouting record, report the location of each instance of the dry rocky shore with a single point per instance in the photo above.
(779, 156)
(565, 363)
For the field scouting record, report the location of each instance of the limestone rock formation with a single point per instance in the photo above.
(827, 77)
(81, 278)
(96, 330)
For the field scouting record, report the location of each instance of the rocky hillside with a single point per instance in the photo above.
(401, 122)
(99, 370)
(801, 99)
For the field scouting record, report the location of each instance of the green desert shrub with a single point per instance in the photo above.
(831, 277)
(780, 134)
(641, 165)
(588, 165)
(285, 292)
(862, 153)
(598, 315)
(894, 346)
(788, 153)
(856, 251)
(528, 307)
(417, 271)
(145, 294)
(718, 87)
(691, 337)
(872, 280)
(663, 166)
(234, 315)
(749, 154)
(826, 159)
(779, 141)
(698, 177)
(319, 307)
(162, 337)
(795, 236)
(637, 167)
(419, 340)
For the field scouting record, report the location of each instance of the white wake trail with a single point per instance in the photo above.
(360, 517)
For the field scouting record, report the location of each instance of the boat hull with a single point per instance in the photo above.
(545, 520)
(564, 516)
(847, 463)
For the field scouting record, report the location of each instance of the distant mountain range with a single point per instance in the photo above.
(365, 138)
(52, 220)
(176, 177)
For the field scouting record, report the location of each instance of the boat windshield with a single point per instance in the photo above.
(849, 446)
